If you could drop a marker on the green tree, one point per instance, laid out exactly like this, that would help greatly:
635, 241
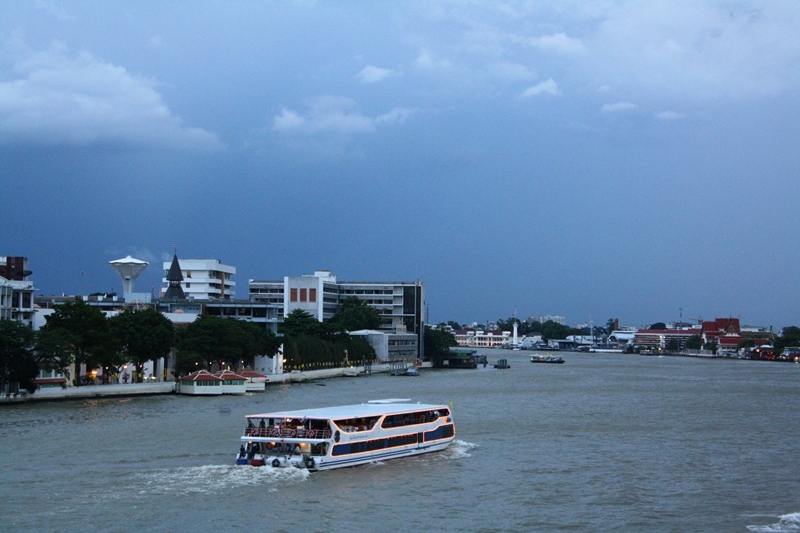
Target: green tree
673, 345
437, 344
790, 336
300, 322
534, 327
18, 366
658, 326
256, 340
145, 335
54, 349
453, 324
187, 361
554, 330
694, 342
215, 339
356, 314
87, 331
358, 349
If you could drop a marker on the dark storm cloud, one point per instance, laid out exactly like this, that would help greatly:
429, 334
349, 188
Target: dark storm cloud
599, 159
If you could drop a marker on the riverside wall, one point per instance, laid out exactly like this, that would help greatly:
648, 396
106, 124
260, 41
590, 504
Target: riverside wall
145, 389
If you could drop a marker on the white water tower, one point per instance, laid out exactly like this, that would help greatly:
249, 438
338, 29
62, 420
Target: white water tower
129, 269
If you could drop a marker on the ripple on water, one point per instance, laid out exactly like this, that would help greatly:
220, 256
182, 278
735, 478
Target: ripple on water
786, 523
212, 479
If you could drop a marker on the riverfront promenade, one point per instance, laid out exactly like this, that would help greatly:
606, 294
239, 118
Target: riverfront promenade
168, 387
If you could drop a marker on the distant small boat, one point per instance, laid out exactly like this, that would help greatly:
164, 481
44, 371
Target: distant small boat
502, 363
546, 359
410, 371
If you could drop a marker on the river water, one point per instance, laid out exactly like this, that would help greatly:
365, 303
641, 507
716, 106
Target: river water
604, 442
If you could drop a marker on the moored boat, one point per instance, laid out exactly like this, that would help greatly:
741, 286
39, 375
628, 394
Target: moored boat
410, 371
546, 359
336, 437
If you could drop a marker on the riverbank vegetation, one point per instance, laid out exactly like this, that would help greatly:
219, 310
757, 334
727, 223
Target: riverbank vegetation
310, 344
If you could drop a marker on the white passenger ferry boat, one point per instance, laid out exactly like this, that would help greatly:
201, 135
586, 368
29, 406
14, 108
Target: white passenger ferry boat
350, 435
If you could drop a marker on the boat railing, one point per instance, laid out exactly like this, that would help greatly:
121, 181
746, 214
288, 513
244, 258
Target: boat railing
290, 433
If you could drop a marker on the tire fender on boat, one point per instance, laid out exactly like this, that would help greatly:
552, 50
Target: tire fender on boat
276, 463
309, 462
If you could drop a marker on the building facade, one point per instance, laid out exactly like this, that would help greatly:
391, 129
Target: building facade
659, 339
390, 347
16, 291
482, 339
399, 303
203, 279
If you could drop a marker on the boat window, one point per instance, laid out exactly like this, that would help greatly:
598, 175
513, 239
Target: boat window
374, 445
351, 425
409, 419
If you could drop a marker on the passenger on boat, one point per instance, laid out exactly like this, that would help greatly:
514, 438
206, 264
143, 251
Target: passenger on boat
262, 424
297, 449
242, 451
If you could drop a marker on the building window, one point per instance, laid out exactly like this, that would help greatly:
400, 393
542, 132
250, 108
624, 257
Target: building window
293, 295
312, 295
303, 297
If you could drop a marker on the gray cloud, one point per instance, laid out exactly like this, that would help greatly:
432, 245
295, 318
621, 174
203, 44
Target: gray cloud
669, 115
77, 99
333, 114
617, 107
547, 86
372, 74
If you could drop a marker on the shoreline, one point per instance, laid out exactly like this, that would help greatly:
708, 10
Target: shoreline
119, 390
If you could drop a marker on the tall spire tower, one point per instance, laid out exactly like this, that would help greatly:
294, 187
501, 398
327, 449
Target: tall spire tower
174, 278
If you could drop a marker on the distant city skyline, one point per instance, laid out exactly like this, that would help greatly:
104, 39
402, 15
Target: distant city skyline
620, 159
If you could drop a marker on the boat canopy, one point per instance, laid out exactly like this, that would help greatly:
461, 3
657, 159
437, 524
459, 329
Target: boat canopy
349, 411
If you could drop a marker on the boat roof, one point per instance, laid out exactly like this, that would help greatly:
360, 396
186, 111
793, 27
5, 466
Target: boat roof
373, 408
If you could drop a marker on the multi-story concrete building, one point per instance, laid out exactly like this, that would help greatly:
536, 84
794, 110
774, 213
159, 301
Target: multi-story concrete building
481, 338
203, 279
558, 319
658, 339
400, 303
16, 291
391, 346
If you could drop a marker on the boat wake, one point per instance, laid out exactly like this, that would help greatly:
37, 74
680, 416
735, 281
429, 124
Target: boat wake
213, 479
787, 523
459, 449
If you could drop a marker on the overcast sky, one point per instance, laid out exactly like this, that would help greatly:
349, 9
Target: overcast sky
609, 159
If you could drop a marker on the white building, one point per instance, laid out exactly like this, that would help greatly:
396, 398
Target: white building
399, 303
482, 339
390, 346
204, 279
558, 319
16, 301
